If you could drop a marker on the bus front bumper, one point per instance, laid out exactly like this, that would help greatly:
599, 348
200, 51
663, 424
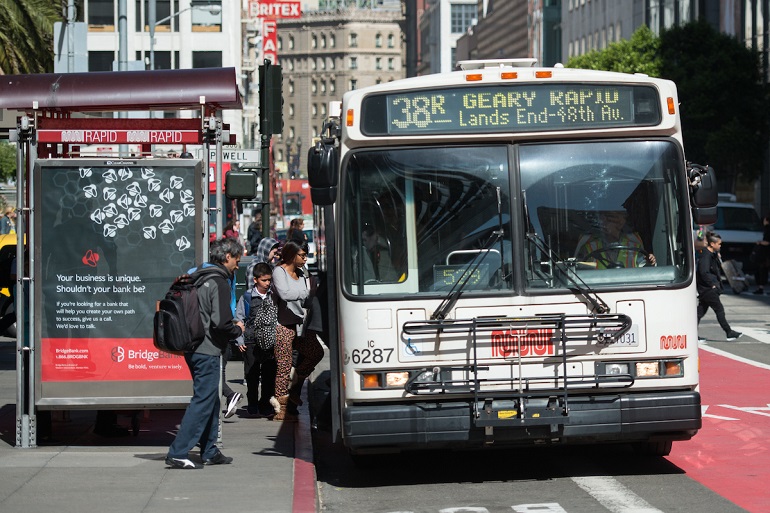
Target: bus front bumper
641, 417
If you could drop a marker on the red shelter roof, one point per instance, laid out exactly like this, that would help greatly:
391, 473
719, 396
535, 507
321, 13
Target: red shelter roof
122, 90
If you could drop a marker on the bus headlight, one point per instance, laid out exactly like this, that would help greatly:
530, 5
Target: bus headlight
647, 369
396, 379
616, 368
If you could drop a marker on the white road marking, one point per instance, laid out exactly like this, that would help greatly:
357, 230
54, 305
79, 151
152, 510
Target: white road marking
611, 494
703, 413
714, 350
759, 334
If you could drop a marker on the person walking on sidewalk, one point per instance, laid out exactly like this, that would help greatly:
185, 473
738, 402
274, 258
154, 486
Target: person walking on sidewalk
200, 422
294, 292
258, 312
709, 283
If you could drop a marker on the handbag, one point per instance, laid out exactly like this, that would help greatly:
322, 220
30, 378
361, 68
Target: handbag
260, 326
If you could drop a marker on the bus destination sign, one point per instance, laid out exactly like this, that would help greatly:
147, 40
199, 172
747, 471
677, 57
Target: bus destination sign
510, 108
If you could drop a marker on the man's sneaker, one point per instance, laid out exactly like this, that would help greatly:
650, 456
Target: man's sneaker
218, 459
733, 335
182, 463
232, 404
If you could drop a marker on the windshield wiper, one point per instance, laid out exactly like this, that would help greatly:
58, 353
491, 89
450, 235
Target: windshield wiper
457, 289
580, 287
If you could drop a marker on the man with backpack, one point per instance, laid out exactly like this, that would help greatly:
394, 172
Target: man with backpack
201, 419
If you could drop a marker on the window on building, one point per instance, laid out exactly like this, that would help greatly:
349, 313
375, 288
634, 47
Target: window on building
206, 16
101, 16
378, 41
332, 40
290, 63
313, 86
323, 40
313, 41
162, 11
391, 41
378, 63
279, 42
332, 86
291, 42
353, 63
617, 31
163, 60
323, 109
291, 132
291, 110
332, 65
461, 16
323, 86
353, 84
313, 64
610, 33
100, 61
391, 66
353, 40
314, 109
207, 59
291, 87
323, 63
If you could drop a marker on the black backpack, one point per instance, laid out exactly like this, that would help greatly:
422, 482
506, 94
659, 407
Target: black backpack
178, 326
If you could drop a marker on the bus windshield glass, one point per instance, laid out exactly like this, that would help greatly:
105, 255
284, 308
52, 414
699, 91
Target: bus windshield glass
429, 220
609, 212
416, 219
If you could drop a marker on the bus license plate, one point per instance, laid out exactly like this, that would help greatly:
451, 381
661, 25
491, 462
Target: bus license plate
628, 339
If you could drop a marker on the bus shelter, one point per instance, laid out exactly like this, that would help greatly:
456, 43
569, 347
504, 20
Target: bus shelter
105, 235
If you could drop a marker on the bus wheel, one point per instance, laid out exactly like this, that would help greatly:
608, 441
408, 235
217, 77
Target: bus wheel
659, 448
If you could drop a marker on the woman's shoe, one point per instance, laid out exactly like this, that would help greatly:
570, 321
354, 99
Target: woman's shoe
285, 416
275, 404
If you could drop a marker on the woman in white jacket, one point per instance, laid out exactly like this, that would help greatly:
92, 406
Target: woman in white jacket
293, 293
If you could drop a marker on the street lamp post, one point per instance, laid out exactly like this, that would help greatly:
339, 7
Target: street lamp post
214, 9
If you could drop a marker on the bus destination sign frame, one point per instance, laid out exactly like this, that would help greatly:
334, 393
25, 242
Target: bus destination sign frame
510, 108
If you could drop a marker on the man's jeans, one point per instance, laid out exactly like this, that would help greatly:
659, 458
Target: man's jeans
201, 420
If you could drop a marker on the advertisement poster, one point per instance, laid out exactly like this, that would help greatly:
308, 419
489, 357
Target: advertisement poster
111, 238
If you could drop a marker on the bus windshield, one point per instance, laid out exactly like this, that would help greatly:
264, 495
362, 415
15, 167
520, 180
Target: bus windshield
609, 212
422, 220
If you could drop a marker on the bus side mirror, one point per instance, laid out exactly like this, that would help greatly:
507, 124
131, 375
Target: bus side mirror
703, 193
322, 162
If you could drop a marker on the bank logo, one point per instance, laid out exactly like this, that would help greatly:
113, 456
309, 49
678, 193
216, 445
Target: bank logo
118, 354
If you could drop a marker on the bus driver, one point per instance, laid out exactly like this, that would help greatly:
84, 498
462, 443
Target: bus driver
615, 246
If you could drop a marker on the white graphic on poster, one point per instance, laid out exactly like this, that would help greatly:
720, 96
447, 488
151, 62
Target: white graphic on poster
144, 194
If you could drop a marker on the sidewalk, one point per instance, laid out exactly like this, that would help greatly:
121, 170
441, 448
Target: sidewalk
272, 469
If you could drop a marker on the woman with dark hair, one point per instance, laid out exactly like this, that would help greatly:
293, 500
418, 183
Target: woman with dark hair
763, 256
294, 294
296, 231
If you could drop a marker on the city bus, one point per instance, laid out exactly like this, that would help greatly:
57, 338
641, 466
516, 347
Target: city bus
466, 304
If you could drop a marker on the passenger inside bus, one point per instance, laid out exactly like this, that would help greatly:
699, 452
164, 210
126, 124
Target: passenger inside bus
615, 245
377, 265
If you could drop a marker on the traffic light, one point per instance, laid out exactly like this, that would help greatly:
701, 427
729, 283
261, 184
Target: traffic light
270, 99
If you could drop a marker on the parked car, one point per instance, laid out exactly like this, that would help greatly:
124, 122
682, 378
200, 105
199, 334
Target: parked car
740, 227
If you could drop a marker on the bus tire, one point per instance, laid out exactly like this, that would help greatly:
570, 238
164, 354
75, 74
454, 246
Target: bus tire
657, 448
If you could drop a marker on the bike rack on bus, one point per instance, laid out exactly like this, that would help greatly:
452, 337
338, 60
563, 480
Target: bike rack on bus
518, 401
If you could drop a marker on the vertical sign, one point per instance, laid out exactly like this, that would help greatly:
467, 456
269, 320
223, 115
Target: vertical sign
112, 237
270, 40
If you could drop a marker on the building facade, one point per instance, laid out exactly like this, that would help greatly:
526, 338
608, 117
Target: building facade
442, 23
323, 54
188, 34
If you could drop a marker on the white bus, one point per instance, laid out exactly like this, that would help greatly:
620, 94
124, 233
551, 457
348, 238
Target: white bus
508, 258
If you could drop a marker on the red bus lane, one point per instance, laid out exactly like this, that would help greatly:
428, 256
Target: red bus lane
731, 453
